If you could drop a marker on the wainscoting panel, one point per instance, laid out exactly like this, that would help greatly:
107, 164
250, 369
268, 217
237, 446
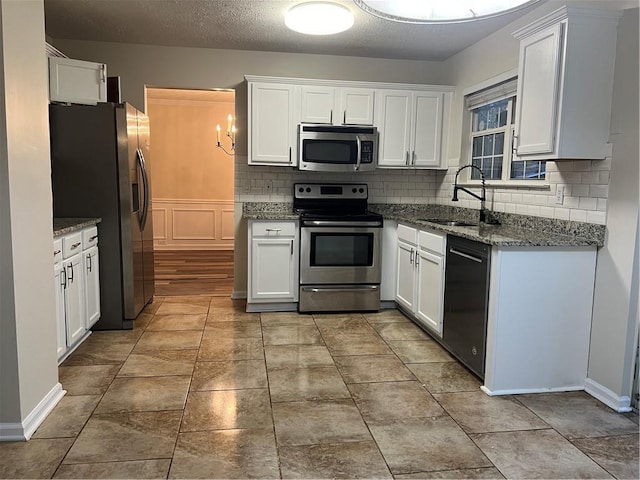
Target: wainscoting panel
193, 224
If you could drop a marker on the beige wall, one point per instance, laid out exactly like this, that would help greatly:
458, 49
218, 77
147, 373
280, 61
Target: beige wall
28, 366
186, 163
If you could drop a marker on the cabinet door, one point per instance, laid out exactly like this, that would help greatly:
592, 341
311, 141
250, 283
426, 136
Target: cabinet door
430, 290
273, 269
394, 125
74, 299
59, 289
538, 86
316, 104
427, 129
77, 81
405, 287
271, 138
92, 286
357, 106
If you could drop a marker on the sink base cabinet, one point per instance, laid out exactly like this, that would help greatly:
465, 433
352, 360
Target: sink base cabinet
539, 320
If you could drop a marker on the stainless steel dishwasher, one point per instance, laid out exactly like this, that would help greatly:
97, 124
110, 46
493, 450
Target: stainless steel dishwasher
466, 296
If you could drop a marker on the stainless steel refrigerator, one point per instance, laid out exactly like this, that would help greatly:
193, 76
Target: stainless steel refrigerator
100, 168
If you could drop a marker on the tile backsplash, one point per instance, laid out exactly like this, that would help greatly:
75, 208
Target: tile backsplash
585, 181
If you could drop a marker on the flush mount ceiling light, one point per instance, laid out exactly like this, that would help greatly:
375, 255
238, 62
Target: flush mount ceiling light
440, 11
319, 18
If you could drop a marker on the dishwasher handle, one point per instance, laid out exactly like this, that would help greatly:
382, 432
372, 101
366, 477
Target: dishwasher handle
465, 255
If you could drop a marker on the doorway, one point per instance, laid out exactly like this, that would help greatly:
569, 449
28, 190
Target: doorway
192, 185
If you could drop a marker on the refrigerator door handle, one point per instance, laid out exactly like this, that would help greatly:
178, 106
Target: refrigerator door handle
145, 187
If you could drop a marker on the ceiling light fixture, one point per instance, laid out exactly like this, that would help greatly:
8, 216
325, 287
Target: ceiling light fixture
319, 18
440, 11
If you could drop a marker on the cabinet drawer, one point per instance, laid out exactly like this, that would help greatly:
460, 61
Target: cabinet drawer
432, 241
71, 244
407, 234
274, 229
57, 250
89, 237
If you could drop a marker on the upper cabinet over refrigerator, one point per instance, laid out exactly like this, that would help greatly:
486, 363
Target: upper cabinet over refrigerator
77, 81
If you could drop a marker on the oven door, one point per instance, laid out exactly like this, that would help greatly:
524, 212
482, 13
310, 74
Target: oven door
332, 255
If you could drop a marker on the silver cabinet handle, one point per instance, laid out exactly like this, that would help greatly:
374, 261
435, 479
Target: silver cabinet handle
337, 290
273, 229
292, 248
331, 116
91, 239
344, 117
417, 259
89, 266
359, 155
406, 158
411, 256
63, 278
289, 154
413, 157
70, 267
75, 245
464, 255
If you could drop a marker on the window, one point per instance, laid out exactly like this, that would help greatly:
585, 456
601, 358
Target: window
492, 130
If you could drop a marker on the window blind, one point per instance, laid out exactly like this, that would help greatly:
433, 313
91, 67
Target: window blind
496, 92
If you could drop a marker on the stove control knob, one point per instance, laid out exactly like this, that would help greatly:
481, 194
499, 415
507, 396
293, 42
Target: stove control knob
361, 190
354, 189
301, 189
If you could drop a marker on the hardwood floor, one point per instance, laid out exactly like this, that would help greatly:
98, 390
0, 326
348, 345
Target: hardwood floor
194, 272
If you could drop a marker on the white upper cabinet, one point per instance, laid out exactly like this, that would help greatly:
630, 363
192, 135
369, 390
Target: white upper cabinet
413, 128
272, 131
336, 105
565, 85
77, 81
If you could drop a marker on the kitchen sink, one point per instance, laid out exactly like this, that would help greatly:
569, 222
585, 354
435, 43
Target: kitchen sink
450, 223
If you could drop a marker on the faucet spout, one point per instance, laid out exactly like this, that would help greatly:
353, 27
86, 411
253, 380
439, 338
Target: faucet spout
482, 197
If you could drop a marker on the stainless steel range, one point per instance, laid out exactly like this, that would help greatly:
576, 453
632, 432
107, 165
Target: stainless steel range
340, 251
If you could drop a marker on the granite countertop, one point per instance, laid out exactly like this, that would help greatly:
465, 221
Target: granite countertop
62, 226
513, 231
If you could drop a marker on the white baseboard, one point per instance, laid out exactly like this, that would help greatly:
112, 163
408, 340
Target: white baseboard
520, 391
608, 397
12, 432
239, 294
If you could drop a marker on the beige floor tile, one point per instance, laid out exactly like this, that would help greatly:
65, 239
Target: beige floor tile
297, 356
633, 417
228, 302
240, 329
178, 340
231, 315
400, 331
153, 306
160, 363
203, 300
445, 377
220, 349
372, 368
87, 379
537, 454
273, 319
348, 344
578, 415
338, 460
227, 409
152, 469
426, 444
420, 351
142, 320
238, 454
388, 401
336, 324
386, 316
292, 335
37, 458
175, 307
311, 383
477, 412
618, 455
322, 421
489, 473
230, 375
126, 436
145, 394
90, 353
177, 322
110, 337
68, 416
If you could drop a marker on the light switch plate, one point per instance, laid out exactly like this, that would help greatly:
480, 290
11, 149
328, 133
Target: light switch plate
559, 194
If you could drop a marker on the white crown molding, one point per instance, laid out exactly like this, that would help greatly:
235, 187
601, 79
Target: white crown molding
576, 14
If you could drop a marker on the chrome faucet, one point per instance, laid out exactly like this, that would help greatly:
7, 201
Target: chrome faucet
482, 197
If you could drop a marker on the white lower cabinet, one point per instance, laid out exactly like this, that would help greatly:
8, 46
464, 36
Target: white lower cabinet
273, 262
77, 288
420, 276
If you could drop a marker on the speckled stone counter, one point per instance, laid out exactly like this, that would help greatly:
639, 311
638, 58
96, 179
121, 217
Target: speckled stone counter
62, 226
513, 231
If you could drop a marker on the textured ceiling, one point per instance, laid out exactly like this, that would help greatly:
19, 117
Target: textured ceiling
256, 25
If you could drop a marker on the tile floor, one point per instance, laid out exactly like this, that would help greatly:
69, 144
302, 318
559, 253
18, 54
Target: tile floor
201, 389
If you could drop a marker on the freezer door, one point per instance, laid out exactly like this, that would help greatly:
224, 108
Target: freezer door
147, 220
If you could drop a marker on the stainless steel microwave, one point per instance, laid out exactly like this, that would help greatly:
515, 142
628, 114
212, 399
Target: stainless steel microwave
329, 148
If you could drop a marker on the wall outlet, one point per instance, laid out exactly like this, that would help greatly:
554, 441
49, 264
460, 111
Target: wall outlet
268, 186
559, 194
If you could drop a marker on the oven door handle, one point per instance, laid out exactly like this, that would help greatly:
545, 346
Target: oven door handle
359, 154
350, 287
330, 223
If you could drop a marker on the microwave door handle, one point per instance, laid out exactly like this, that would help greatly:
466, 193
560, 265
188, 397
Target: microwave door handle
359, 155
